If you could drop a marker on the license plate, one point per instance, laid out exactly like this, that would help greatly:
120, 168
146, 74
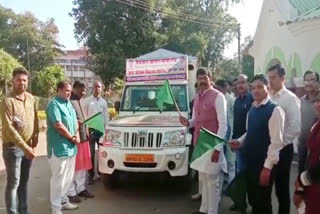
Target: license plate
140, 158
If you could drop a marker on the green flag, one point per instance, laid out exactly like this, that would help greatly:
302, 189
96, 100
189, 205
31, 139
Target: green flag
96, 122
206, 141
165, 95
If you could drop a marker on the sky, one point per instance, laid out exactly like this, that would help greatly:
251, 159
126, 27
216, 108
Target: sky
247, 12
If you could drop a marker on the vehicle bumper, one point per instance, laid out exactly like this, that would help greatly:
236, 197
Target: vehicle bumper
172, 160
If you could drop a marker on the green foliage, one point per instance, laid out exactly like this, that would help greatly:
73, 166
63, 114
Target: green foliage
47, 79
113, 32
118, 85
23, 34
7, 64
247, 61
227, 69
248, 66
116, 30
208, 40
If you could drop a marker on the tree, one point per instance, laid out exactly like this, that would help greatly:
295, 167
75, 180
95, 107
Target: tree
227, 69
115, 30
206, 37
114, 92
47, 79
33, 42
7, 64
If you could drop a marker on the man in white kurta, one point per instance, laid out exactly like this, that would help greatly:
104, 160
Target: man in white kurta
210, 112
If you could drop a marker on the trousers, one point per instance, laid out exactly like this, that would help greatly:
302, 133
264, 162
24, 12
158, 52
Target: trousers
62, 172
79, 183
211, 192
18, 169
282, 179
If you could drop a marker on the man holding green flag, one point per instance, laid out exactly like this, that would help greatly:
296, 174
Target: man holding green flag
96, 104
212, 171
210, 113
96, 122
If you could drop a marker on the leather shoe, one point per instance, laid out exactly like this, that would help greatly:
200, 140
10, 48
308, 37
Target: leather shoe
86, 194
74, 199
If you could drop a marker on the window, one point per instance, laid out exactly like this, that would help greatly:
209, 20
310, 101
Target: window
144, 98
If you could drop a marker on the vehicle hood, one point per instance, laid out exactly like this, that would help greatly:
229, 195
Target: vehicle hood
146, 120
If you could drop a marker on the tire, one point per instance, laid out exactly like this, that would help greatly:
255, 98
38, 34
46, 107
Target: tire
110, 181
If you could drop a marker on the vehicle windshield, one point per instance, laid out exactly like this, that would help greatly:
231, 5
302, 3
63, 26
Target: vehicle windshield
144, 98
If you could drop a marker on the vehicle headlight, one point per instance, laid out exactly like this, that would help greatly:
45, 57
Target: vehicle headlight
174, 138
112, 138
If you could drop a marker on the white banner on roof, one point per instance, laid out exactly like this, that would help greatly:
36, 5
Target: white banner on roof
156, 69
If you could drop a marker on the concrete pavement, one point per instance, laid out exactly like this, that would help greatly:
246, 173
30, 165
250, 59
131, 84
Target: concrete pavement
137, 194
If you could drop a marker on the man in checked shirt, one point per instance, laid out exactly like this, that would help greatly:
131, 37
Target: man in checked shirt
19, 136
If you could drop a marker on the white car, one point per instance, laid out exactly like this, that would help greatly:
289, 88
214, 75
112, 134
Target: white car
143, 139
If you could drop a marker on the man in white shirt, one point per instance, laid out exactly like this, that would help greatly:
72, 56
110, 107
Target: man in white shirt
261, 144
290, 103
222, 86
95, 104
210, 112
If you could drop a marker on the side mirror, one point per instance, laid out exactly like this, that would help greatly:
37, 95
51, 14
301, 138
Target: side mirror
117, 106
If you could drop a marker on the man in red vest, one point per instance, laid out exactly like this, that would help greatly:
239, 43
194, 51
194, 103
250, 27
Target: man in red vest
210, 112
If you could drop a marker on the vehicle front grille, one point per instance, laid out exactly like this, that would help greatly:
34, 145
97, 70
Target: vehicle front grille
144, 141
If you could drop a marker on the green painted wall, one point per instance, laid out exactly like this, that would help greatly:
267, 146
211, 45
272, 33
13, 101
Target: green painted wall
315, 65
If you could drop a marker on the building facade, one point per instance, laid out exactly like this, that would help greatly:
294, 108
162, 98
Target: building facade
288, 32
74, 63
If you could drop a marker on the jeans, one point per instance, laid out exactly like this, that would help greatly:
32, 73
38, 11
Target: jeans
240, 161
18, 169
93, 140
241, 166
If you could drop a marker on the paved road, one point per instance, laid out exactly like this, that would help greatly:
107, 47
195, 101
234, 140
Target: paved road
137, 195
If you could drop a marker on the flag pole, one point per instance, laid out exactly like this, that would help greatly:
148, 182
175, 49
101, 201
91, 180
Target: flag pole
177, 107
174, 100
